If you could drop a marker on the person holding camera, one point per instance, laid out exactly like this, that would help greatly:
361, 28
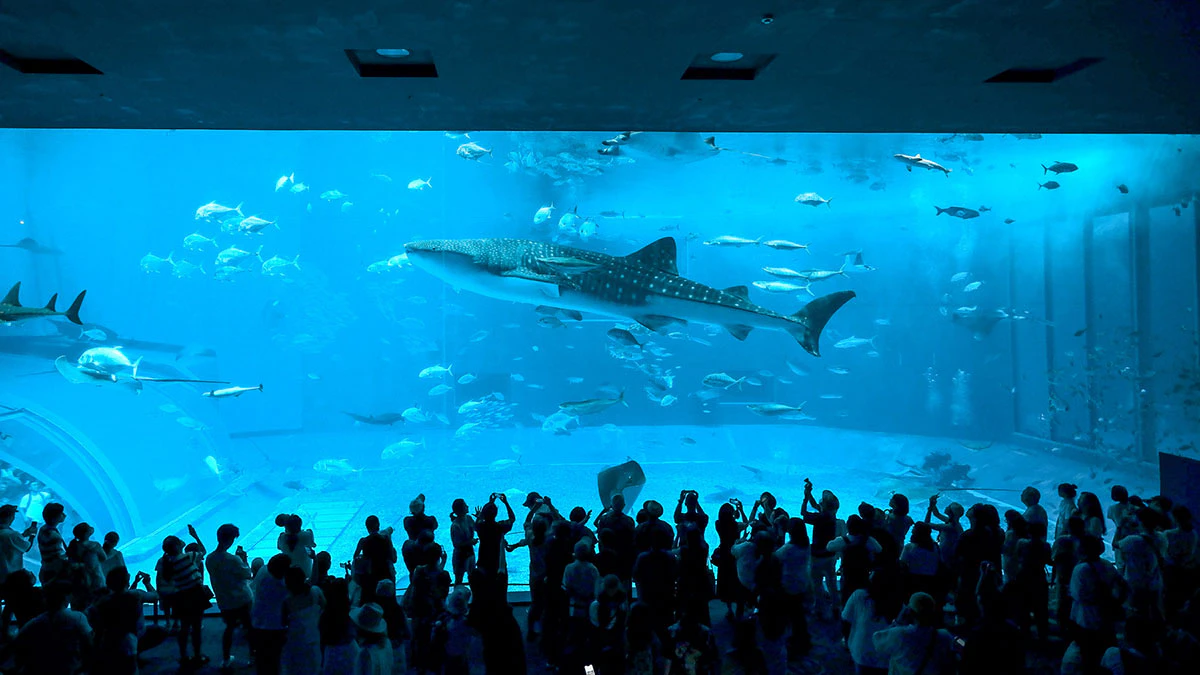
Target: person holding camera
13, 547
731, 523
694, 516
825, 528
491, 564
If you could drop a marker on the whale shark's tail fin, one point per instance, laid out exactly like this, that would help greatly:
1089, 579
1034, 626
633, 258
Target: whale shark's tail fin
811, 320
72, 312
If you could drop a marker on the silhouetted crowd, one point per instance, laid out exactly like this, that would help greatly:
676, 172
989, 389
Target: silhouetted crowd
636, 595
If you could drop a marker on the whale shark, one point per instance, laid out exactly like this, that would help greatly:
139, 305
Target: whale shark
643, 286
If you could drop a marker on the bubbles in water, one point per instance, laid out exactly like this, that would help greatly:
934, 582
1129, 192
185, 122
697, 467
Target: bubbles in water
960, 406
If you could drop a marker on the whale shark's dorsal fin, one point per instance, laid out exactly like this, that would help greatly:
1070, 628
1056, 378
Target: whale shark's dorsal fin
12, 299
740, 291
659, 255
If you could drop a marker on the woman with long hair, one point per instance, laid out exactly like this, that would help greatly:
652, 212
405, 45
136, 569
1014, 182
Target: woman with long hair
1093, 515
462, 538
731, 523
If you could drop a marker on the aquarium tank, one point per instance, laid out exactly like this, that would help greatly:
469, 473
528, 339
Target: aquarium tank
332, 323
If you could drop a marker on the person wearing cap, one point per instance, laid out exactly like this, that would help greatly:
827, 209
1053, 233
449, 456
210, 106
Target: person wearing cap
375, 649
826, 527
540, 506
913, 644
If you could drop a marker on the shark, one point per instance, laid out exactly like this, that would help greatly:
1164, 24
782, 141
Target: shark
383, 420
12, 311
32, 245
909, 161
643, 286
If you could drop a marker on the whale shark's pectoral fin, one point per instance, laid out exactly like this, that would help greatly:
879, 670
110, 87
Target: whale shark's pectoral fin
546, 284
657, 322
530, 275
739, 331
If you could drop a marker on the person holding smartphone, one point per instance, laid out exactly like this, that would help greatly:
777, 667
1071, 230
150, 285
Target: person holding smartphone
230, 576
13, 547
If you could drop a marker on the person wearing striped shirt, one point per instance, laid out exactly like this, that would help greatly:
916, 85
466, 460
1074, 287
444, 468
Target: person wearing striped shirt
51, 545
192, 598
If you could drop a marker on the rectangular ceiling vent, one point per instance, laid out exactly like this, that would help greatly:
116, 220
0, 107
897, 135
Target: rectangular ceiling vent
726, 66
44, 61
1043, 75
392, 62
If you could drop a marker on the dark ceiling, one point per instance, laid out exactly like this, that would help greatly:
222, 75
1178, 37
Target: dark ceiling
840, 65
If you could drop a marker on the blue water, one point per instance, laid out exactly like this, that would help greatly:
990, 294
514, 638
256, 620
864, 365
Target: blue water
1062, 382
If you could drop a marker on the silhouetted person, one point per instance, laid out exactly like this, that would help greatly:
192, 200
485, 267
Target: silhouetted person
374, 559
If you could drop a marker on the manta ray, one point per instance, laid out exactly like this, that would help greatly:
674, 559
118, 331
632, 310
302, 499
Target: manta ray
643, 286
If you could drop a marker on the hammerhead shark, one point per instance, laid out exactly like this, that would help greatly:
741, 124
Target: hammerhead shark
644, 286
11, 309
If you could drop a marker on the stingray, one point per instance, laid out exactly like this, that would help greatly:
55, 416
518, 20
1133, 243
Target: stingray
626, 479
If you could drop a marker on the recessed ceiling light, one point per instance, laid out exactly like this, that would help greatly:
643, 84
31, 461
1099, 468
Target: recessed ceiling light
726, 57
393, 53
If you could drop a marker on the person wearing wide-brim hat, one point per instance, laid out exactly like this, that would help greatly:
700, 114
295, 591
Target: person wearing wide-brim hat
375, 655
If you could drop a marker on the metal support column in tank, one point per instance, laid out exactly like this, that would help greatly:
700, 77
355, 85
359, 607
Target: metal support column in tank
1196, 282
1048, 279
1014, 343
1090, 319
1147, 423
